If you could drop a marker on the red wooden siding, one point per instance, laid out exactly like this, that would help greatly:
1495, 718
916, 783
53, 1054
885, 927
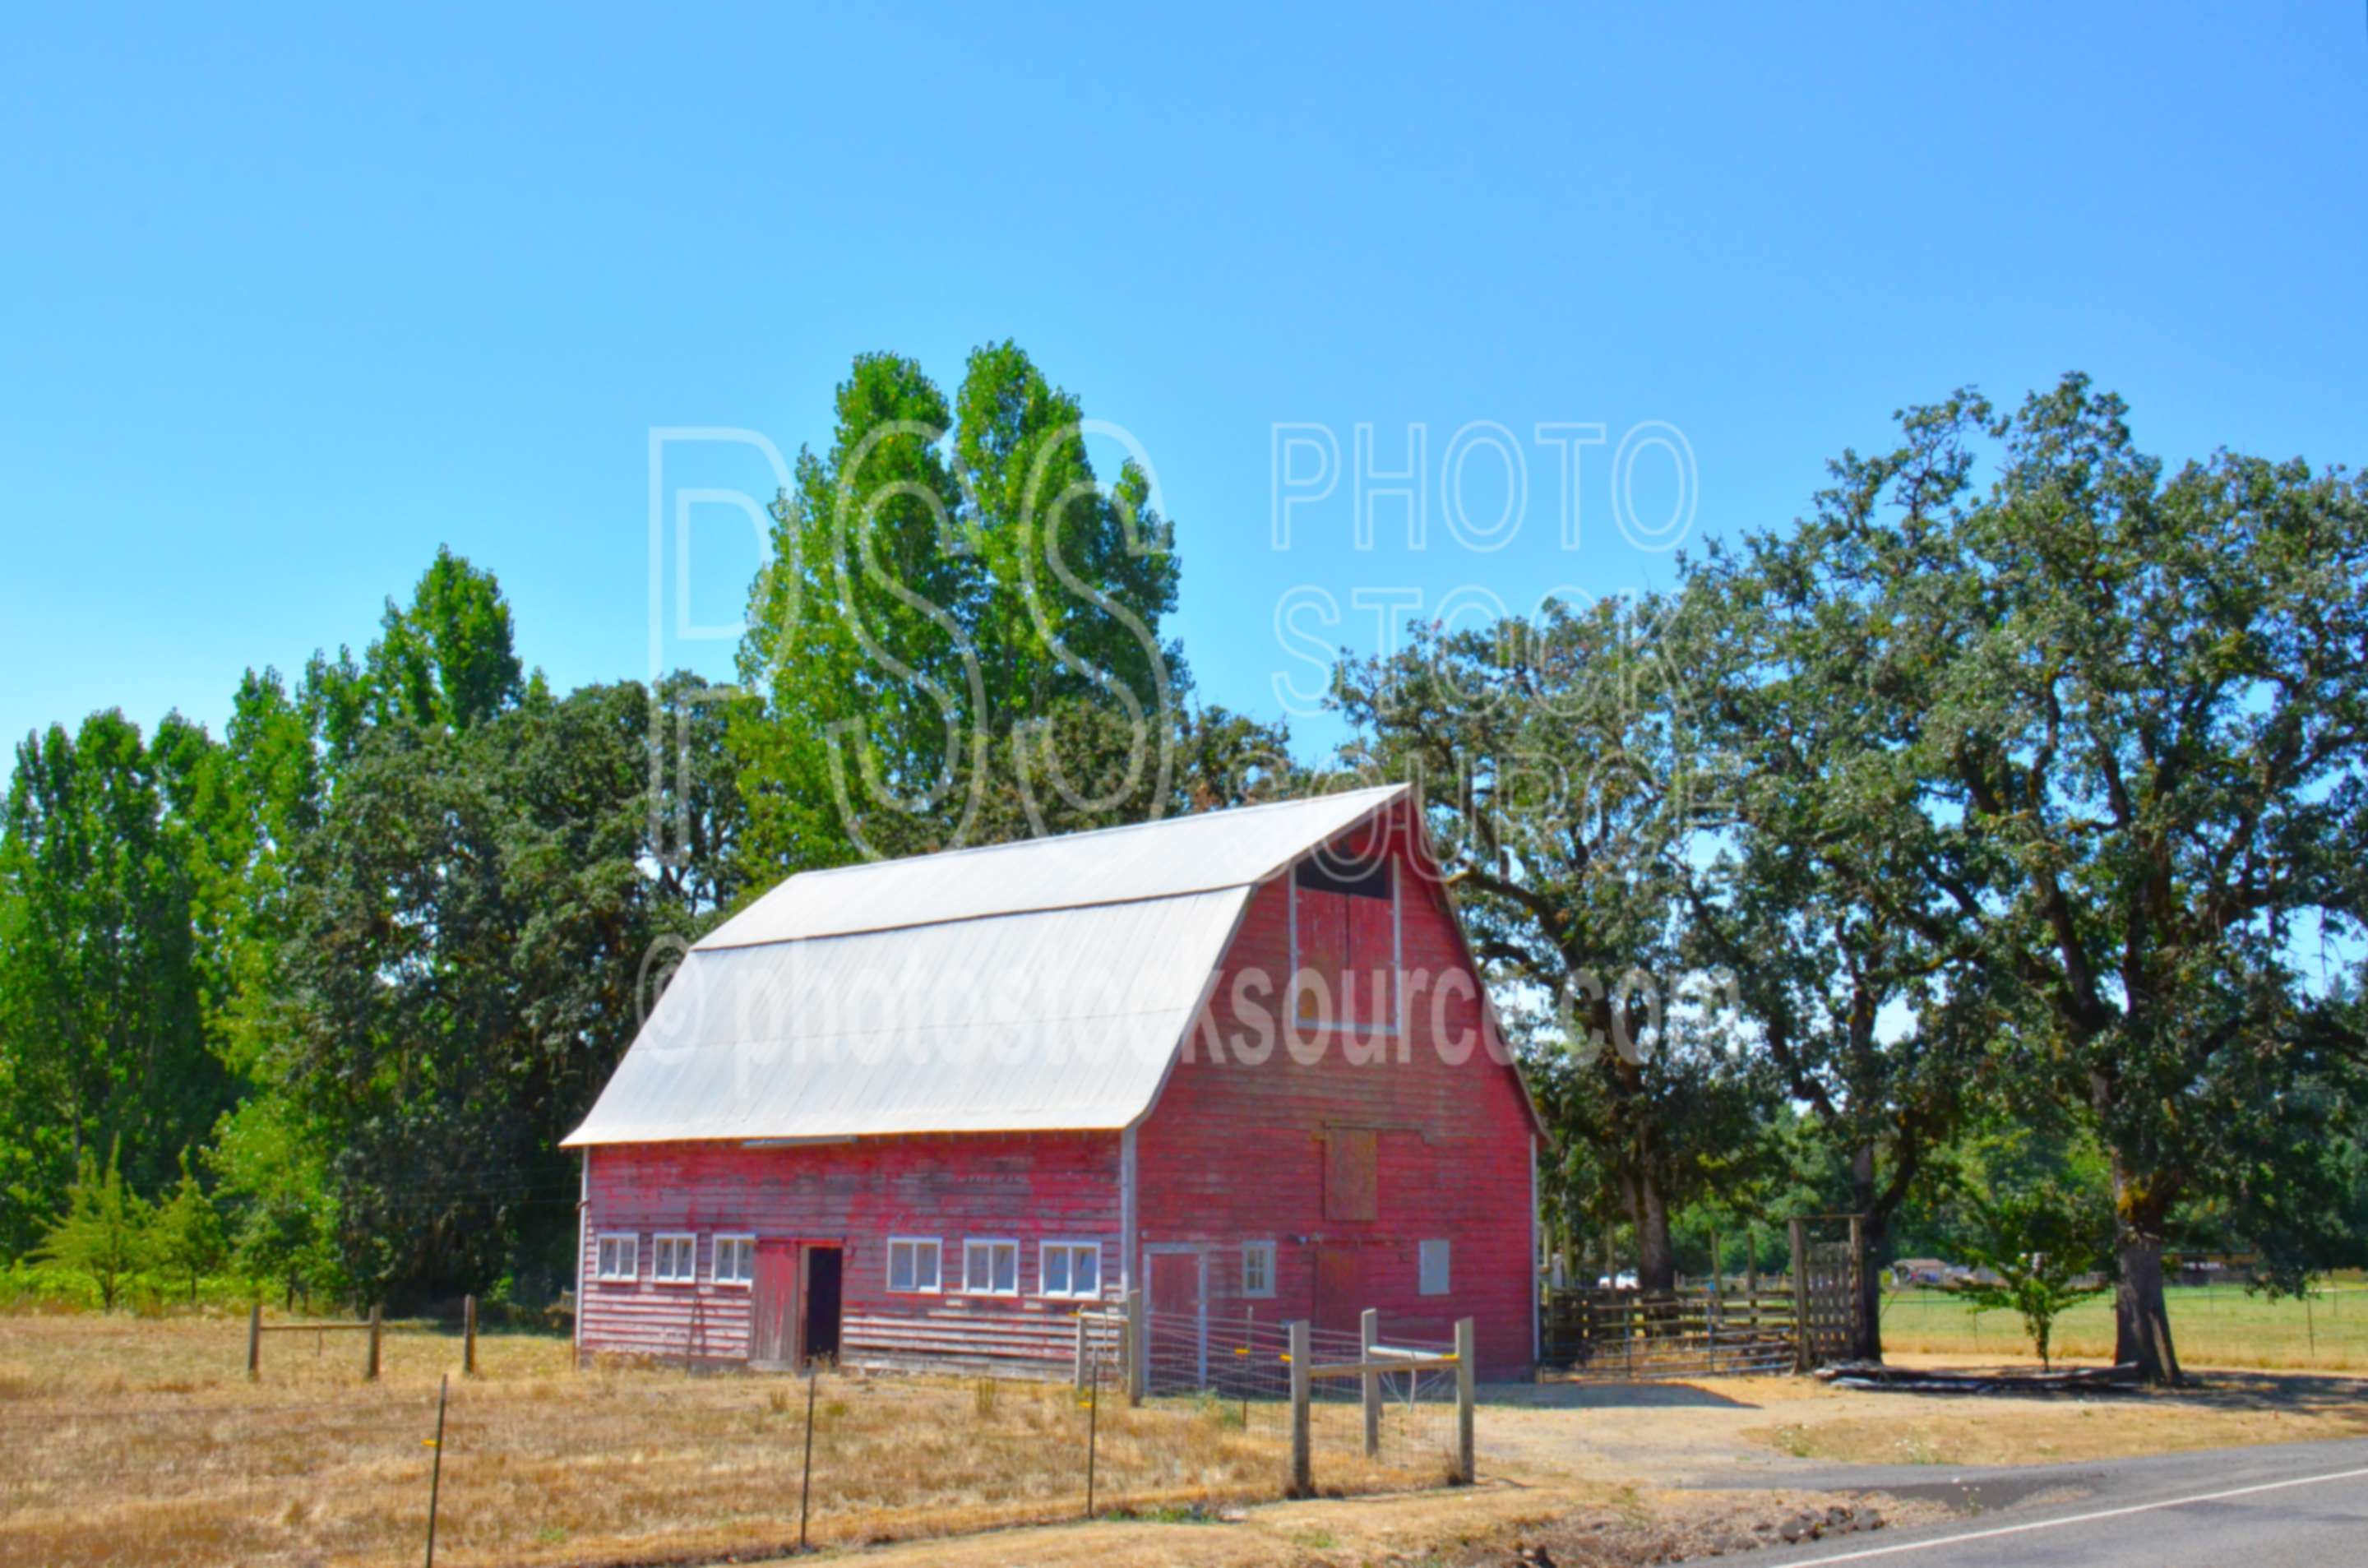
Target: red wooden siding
1029, 1189
1236, 1151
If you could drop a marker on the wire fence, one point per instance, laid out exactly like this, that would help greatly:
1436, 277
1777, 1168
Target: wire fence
599, 1467
127, 1440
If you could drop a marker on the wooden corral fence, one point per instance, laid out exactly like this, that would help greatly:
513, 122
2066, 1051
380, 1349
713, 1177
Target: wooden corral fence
1699, 1332
1716, 1329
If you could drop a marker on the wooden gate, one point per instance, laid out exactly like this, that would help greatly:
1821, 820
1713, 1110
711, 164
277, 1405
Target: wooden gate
1825, 1277
1177, 1319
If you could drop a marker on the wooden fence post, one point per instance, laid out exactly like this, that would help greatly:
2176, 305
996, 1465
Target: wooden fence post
1138, 1350
469, 1336
1079, 1369
1467, 1378
1712, 1314
1093, 1431
1368, 1333
255, 1342
1302, 1475
1804, 1352
369, 1372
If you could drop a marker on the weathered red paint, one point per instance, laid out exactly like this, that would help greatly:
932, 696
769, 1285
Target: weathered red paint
1031, 1188
1236, 1151
1233, 1150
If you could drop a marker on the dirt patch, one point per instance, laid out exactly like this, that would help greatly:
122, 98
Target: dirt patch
1696, 1526
2226, 1410
1495, 1525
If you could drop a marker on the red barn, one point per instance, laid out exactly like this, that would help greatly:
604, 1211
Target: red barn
917, 1112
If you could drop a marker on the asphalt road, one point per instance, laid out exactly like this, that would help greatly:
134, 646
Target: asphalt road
2284, 1506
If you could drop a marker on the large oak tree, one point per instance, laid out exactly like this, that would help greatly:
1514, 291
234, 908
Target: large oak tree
2134, 705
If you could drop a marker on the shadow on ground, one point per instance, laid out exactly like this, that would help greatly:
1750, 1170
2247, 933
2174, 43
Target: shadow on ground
1564, 1393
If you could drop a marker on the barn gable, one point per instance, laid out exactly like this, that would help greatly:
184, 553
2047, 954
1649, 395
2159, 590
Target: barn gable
1311, 1156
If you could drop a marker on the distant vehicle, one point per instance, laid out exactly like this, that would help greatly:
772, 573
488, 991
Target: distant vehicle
1625, 1280
1925, 1271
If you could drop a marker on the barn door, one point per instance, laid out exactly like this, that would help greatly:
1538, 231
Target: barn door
1337, 1306
1177, 1305
772, 1330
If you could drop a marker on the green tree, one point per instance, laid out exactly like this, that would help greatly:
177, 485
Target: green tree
186, 1235
103, 1233
2132, 706
938, 583
2042, 1244
106, 1042
274, 1176
446, 661
1852, 1005
1560, 770
469, 921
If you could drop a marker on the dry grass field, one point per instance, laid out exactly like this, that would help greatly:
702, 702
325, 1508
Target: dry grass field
141, 1441
2215, 1327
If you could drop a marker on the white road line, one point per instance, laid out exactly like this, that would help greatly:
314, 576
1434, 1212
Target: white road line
2080, 1518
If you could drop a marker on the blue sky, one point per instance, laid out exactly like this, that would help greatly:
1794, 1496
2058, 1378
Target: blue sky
289, 299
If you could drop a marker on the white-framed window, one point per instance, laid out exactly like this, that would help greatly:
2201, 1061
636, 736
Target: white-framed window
673, 1258
913, 1264
1258, 1268
619, 1256
1434, 1268
736, 1260
991, 1268
1073, 1269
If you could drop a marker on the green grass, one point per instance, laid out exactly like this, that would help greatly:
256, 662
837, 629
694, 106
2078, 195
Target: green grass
2217, 1325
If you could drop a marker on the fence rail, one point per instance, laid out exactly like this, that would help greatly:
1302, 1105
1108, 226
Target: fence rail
373, 1326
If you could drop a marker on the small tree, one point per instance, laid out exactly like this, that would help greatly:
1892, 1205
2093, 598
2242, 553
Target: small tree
286, 1242
186, 1236
2040, 1242
104, 1232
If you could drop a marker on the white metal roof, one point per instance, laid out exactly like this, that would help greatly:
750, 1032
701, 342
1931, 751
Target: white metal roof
1115, 865
1037, 987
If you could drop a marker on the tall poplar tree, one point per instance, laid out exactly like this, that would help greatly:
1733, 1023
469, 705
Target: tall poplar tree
947, 578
